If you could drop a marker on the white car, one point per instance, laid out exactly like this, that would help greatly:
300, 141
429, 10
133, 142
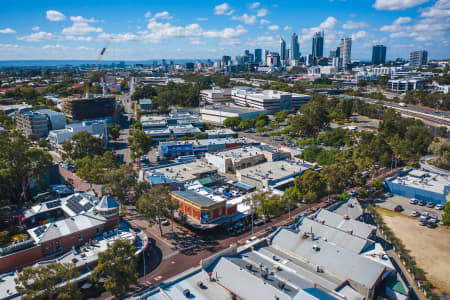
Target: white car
413, 201
425, 215
439, 206
252, 239
414, 213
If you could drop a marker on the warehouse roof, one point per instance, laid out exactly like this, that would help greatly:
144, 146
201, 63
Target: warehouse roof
194, 197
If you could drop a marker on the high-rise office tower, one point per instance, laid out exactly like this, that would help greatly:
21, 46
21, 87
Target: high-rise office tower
378, 55
258, 56
346, 52
317, 44
226, 60
264, 57
418, 59
282, 49
295, 47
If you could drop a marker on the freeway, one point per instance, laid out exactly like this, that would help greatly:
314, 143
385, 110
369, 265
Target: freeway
436, 116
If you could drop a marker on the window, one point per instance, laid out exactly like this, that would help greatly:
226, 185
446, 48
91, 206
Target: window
57, 244
80, 237
98, 231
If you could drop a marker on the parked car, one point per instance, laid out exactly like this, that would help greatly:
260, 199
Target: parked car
431, 225
422, 222
398, 208
253, 238
425, 215
414, 213
413, 201
258, 222
353, 193
421, 203
430, 204
439, 206
388, 195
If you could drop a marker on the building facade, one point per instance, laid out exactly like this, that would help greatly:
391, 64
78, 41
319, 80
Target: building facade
346, 53
417, 59
378, 55
32, 124
317, 44
89, 108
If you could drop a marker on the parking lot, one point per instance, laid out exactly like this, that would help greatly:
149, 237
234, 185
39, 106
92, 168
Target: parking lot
391, 202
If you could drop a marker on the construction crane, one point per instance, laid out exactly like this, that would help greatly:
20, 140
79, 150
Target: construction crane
95, 68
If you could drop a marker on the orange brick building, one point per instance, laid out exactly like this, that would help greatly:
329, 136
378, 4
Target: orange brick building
201, 209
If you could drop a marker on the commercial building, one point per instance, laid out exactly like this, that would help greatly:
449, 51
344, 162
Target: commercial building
295, 47
346, 52
174, 149
317, 44
32, 124
421, 185
403, 85
218, 114
215, 95
202, 211
221, 133
282, 49
182, 131
417, 59
145, 104
288, 265
378, 55
177, 174
228, 161
52, 239
89, 108
58, 137
268, 100
57, 120
258, 56
273, 174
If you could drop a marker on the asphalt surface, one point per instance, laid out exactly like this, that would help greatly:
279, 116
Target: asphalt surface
391, 202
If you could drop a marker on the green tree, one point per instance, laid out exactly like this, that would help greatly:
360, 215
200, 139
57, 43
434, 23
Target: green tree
442, 131
114, 131
43, 281
201, 136
156, 204
120, 182
93, 169
232, 122
311, 186
314, 118
19, 165
118, 266
141, 145
446, 214
82, 144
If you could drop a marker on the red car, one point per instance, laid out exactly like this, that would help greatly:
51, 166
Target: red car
398, 208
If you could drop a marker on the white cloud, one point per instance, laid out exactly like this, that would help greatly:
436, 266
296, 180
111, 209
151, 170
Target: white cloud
55, 16
80, 19
119, 37
196, 41
202, 19
255, 5
223, 9
261, 12
164, 15
352, 15
79, 38
402, 20
329, 23
354, 25
57, 46
81, 29
247, 19
396, 4
37, 37
359, 35
274, 27
148, 15
227, 33
264, 22
36, 28
441, 9
287, 28
7, 31
263, 41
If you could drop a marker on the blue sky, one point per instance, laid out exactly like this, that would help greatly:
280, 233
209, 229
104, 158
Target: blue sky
190, 29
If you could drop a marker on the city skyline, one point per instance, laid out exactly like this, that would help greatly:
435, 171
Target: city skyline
142, 30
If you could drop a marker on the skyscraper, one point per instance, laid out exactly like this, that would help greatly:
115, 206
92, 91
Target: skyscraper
295, 47
378, 55
226, 60
418, 59
264, 57
346, 52
317, 44
258, 56
282, 49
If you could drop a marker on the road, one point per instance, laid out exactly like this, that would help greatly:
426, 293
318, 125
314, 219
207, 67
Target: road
441, 118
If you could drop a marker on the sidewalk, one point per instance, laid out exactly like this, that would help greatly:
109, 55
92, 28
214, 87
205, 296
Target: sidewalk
411, 282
